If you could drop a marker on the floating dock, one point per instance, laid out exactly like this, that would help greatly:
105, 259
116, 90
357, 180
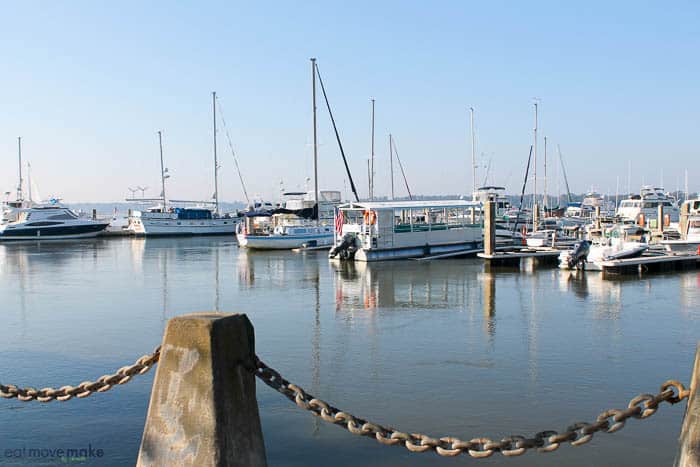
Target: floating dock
651, 263
513, 258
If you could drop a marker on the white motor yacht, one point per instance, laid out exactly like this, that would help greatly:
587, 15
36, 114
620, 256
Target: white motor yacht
689, 229
643, 207
49, 222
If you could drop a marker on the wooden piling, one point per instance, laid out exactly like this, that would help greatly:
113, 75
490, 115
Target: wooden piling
660, 218
489, 227
689, 444
203, 410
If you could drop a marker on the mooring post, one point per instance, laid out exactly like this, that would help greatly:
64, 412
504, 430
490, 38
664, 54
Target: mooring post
689, 443
489, 227
203, 410
660, 217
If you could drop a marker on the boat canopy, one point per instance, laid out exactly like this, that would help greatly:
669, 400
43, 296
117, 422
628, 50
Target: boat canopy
426, 204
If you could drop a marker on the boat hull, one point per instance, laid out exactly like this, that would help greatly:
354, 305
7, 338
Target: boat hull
414, 252
187, 228
53, 233
681, 246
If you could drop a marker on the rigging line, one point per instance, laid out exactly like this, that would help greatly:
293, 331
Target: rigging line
410, 196
563, 169
337, 136
233, 153
522, 194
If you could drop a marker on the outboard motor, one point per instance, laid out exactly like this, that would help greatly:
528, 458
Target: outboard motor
346, 247
579, 253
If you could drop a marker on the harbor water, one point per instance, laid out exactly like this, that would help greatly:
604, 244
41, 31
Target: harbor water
443, 348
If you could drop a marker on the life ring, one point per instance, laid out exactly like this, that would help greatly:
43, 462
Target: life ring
370, 217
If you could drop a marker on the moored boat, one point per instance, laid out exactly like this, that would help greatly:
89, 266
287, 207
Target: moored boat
374, 231
49, 222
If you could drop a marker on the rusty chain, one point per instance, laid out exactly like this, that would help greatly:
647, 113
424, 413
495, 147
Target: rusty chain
105, 383
610, 421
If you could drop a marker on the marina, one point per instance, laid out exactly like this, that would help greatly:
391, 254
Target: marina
471, 237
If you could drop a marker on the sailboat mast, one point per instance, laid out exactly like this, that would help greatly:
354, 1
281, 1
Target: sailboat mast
162, 166
371, 177
21, 182
534, 173
391, 165
313, 97
216, 161
471, 125
29, 181
544, 202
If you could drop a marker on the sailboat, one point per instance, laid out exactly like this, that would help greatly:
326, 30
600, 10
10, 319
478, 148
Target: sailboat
304, 221
181, 217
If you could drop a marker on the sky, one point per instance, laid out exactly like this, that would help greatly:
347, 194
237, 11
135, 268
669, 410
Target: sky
87, 85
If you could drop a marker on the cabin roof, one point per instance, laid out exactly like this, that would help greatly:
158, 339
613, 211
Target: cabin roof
439, 203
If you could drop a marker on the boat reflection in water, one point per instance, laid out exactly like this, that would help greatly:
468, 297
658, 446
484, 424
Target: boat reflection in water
417, 286
393, 285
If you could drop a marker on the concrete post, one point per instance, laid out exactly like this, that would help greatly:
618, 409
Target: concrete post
203, 410
685, 213
689, 443
489, 227
535, 218
597, 217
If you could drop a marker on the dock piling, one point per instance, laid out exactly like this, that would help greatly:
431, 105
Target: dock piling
689, 443
489, 227
203, 409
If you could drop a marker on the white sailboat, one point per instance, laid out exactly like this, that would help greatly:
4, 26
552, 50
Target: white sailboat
181, 217
306, 222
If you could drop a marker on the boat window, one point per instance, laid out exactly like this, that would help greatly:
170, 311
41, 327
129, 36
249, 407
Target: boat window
696, 205
60, 217
695, 224
42, 224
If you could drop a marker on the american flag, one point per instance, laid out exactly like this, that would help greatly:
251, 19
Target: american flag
339, 221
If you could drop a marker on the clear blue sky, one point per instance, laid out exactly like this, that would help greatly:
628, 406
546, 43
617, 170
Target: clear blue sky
88, 84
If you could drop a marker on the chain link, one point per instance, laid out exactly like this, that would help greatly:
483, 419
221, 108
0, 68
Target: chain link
105, 383
610, 421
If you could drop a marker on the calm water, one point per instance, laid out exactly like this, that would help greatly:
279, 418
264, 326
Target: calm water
440, 347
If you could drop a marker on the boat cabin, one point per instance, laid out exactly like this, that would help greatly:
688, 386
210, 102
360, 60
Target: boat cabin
407, 228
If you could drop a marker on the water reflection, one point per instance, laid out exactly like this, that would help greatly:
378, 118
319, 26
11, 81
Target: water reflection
389, 285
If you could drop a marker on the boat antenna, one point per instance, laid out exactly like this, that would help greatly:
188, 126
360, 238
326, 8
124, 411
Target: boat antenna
403, 174
335, 128
19, 154
233, 153
391, 165
563, 171
162, 167
471, 123
522, 193
216, 161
